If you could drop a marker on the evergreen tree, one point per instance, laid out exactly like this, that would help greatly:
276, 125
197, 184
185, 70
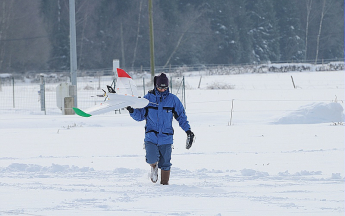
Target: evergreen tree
226, 31
170, 11
291, 42
191, 32
265, 31
244, 24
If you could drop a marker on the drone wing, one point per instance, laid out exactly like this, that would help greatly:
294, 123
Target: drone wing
126, 95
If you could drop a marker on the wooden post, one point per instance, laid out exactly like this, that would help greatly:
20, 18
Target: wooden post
13, 92
73, 50
293, 82
232, 108
152, 56
170, 85
43, 94
184, 93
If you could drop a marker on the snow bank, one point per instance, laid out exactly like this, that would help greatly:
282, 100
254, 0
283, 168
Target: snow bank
314, 113
5, 75
54, 168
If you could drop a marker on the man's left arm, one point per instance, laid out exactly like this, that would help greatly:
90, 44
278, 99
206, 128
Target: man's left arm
181, 117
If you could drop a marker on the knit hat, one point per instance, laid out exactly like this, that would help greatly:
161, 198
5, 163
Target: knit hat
162, 81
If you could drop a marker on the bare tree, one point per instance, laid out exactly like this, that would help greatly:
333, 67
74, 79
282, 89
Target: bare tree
137, 38
192, 17
123, 59
85, 31
6, 10
309, 4
323, 13
23, 41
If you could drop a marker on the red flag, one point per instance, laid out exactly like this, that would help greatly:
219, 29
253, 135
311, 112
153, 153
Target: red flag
122, 73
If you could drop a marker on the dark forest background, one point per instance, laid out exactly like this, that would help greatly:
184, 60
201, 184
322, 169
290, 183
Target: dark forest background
34, 34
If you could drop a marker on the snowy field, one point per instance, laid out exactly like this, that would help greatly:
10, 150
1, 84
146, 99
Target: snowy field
280, 152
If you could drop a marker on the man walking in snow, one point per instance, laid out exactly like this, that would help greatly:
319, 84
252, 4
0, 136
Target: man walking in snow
159, 113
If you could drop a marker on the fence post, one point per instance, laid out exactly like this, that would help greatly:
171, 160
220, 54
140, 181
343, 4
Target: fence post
293, 82
99, 82
199, 82
144, 86
232, 108
13, 92
170, 88
184, 93
43, 94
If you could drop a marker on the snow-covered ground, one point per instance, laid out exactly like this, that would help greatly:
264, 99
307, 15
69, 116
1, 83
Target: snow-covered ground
279, 152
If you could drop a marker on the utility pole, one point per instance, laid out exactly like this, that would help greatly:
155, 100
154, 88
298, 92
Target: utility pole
73, 50
152, 57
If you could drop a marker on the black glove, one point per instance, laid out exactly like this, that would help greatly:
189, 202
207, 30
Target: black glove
190, 139
130, 109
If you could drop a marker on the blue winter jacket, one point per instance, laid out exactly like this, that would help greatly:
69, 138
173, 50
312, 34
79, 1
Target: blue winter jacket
159, 113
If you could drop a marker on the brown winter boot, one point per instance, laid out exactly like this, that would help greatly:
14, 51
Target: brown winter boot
165, 174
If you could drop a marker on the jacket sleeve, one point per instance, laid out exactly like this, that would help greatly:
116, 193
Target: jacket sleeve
139, 114
180, 115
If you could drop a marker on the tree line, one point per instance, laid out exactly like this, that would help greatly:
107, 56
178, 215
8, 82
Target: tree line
34, 35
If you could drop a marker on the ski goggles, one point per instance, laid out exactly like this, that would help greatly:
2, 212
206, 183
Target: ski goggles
162, 88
